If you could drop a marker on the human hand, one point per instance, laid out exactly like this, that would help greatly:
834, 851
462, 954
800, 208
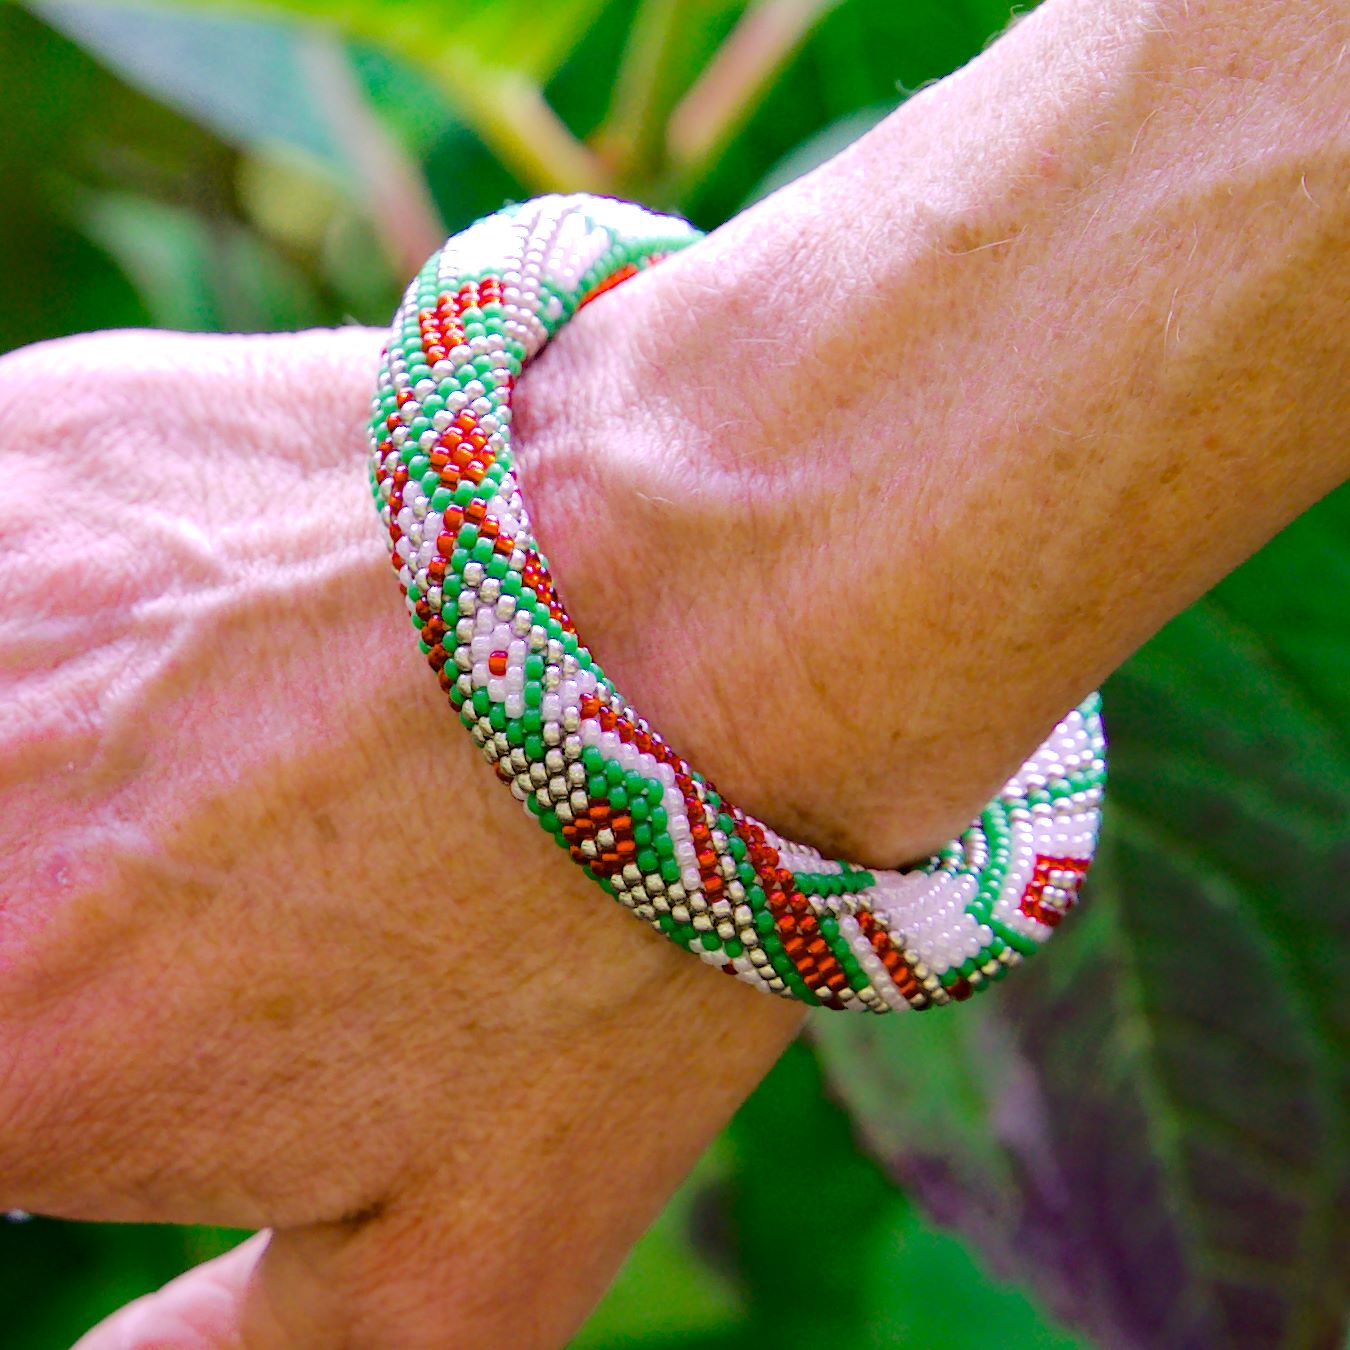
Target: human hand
1098, 369
275, 948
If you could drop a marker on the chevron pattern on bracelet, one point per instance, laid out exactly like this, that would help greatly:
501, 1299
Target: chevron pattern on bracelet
648, 828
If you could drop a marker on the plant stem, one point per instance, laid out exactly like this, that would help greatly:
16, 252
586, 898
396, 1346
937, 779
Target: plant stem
512, 117
631, 140
740, 73
392, 188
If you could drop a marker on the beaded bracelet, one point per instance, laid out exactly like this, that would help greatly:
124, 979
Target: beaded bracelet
649, 829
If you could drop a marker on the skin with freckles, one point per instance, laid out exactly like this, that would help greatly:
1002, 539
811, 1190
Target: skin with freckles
936, 435
975, 408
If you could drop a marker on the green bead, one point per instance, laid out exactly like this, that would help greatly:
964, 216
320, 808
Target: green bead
670, 871
711, 942
533, 720
440, 498
534, 666
534, 747
1017, 941
534, 695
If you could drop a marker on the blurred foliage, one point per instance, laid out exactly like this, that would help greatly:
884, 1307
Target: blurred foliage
1144, 1138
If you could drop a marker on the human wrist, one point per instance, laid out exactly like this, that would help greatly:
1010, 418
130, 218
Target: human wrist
963, 327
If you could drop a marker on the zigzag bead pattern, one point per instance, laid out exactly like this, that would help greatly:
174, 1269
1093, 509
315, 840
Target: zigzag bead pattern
648, 828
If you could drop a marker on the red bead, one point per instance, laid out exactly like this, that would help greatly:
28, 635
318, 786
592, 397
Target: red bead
497, 663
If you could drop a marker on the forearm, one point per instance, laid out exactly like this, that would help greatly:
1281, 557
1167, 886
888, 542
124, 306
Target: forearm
1049, 351
1101, 275
1102, 278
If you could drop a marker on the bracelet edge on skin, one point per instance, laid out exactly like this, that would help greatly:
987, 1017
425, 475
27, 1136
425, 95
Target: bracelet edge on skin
648, 828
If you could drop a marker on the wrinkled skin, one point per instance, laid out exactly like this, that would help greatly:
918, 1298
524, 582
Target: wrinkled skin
275, 947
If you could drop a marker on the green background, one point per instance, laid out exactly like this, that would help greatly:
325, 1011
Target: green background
1142, 1140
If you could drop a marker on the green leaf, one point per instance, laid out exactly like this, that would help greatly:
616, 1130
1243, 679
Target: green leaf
1149, 1126
518, 35
264, 73
666, 1287
248, 80
195, 274
831, 1254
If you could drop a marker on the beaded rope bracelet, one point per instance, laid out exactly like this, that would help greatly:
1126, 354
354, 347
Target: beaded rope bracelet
649, 829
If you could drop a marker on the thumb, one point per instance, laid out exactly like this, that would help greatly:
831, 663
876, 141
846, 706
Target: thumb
197, 1311
315, 1288
418, 1272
